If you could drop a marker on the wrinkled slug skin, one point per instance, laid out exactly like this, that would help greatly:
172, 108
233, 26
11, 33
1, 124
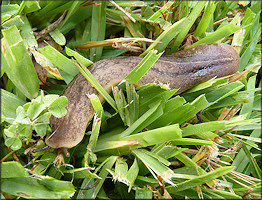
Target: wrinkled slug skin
181, 70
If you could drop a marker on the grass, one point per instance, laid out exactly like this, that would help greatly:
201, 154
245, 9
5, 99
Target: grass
144, 142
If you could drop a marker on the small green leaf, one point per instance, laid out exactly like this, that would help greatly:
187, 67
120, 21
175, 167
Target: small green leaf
57, 108
11, 131
35, 109
21, 116
49, 99
24, 130
14, 143
41, 124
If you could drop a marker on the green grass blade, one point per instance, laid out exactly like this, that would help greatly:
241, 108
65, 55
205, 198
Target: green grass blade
7, 11
98, 108
189, 141
132, 104
256, 171
121, 104
158, 13
184, 30
58, 37
31, 6
156, 136
154, 165
87, 74
103, 174
72, 9
132, 174
163, 40
231, 100
190, 163
208, 14
197, 129
80, 15
19, 68
78, 56
150, 93
218, 34
247, 107
153, 113
223, 92
140, 70
241, 160
98, 26
250, 49
200, 179
27, 33
90, 156
61, 61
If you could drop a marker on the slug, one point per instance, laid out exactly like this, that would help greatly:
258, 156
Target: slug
181, 70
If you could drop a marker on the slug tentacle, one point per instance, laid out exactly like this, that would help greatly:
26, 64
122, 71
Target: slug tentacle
181, 70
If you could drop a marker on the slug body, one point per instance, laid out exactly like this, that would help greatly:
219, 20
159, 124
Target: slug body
182, 70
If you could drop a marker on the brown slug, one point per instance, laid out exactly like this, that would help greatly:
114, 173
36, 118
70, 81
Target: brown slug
181, 70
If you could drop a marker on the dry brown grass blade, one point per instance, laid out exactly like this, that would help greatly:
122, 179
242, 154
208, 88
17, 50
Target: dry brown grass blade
109, 42
232, 112
243, 74
127, 23
227, 114
238, 175
122, 10
51, 27
129, 46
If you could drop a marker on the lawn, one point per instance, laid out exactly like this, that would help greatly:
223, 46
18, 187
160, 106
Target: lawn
145, 141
